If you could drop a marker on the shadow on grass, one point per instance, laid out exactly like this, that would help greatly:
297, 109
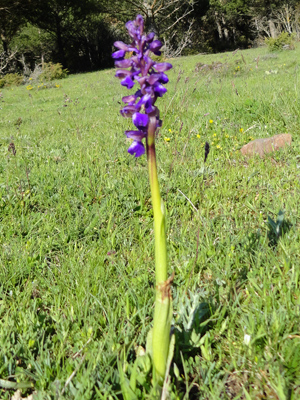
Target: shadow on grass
277, 229
194, 341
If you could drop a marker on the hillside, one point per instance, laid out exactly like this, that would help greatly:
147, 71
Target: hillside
76, 232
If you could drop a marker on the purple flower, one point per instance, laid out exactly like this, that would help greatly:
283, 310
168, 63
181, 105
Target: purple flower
150, 37
155, 47
118, 55
128, 111
122, 73
129, 99
120, 45
128, 82
135, 135
148, 74
136, 148
145, 101
159, 89
161, 67
140, 120
123, 63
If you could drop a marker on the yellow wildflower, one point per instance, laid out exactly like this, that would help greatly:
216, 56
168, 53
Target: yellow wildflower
167, 139
241, 130
198, 136
210, 121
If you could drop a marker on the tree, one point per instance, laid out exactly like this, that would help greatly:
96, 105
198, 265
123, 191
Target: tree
159, 15
169, 19
11, 19
271, 17
33, 45
67, 21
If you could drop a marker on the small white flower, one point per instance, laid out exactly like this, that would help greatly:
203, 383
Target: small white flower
247, 339
140, 351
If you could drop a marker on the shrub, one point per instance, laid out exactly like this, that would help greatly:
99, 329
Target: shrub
283, 41
51, 72
11, 80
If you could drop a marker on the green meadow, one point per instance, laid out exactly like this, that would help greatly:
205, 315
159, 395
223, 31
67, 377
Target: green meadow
77, 242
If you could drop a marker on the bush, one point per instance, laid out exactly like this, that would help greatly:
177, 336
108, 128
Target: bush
11, 80
51, 72
283, 41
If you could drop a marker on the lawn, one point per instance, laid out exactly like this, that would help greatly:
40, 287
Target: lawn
76, 233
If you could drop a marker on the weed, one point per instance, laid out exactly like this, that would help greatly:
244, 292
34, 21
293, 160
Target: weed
11, 80
283, 41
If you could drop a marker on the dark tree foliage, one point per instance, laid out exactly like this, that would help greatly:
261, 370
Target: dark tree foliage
80, 33
167, 18
230, 22
266, 7
11, 18
82, 36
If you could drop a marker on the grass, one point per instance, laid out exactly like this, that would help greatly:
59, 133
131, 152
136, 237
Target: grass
77, 255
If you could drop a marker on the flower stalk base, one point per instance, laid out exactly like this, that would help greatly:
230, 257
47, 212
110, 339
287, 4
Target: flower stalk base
163, 298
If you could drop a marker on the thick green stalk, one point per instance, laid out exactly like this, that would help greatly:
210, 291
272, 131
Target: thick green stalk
163, 298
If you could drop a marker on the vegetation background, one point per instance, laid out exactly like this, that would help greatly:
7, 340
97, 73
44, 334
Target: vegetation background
76, 238
76, 260
79, 34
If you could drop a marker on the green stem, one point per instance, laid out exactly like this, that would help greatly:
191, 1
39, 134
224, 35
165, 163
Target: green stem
163, 299
158, 207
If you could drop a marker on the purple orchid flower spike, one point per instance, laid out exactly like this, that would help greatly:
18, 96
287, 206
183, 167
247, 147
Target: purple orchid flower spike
140, 107
144, 71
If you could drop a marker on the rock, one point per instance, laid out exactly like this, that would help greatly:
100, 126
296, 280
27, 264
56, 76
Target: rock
18, 396
267, 145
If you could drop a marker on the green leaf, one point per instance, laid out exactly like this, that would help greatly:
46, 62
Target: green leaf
127, 392
247, 395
